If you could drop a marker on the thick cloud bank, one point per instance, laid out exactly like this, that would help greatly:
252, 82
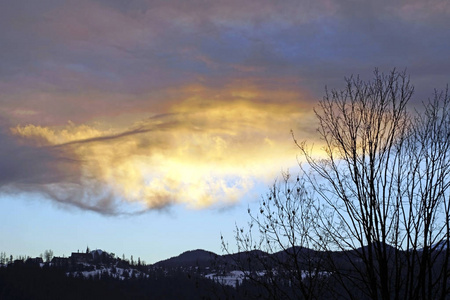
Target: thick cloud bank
200, 154
117, 106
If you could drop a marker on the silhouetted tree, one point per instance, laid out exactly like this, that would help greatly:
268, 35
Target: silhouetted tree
384, 182
282, 227
48, 255
375, 202
2, 258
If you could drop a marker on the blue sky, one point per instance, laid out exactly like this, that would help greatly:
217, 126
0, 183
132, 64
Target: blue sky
30, 226
147, 127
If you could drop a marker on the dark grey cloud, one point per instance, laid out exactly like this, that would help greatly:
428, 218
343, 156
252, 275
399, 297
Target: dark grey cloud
22, 163
140, 46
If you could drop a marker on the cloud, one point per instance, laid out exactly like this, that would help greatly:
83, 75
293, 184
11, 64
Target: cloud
133, 47
216, 87
200, 153
22, 163
27, 167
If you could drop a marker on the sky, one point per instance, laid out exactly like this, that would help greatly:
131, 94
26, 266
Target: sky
147, 128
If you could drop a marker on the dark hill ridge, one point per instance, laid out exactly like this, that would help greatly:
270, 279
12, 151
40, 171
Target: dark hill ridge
189, 258
254, 259
203, 258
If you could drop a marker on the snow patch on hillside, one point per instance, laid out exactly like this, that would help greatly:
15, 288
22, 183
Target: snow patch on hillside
114, 272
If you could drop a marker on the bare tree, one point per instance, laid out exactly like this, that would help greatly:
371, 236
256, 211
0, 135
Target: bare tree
373, 206
278, 250
48, 255
3, 258
426, 211
384, 181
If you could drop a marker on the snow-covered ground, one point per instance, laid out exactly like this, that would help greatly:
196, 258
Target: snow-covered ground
232, 278
118, 273
235, 278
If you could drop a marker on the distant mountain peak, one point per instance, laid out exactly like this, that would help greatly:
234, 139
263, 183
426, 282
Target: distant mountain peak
198, 256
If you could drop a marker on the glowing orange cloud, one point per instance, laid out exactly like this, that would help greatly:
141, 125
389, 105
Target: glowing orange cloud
206, 150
